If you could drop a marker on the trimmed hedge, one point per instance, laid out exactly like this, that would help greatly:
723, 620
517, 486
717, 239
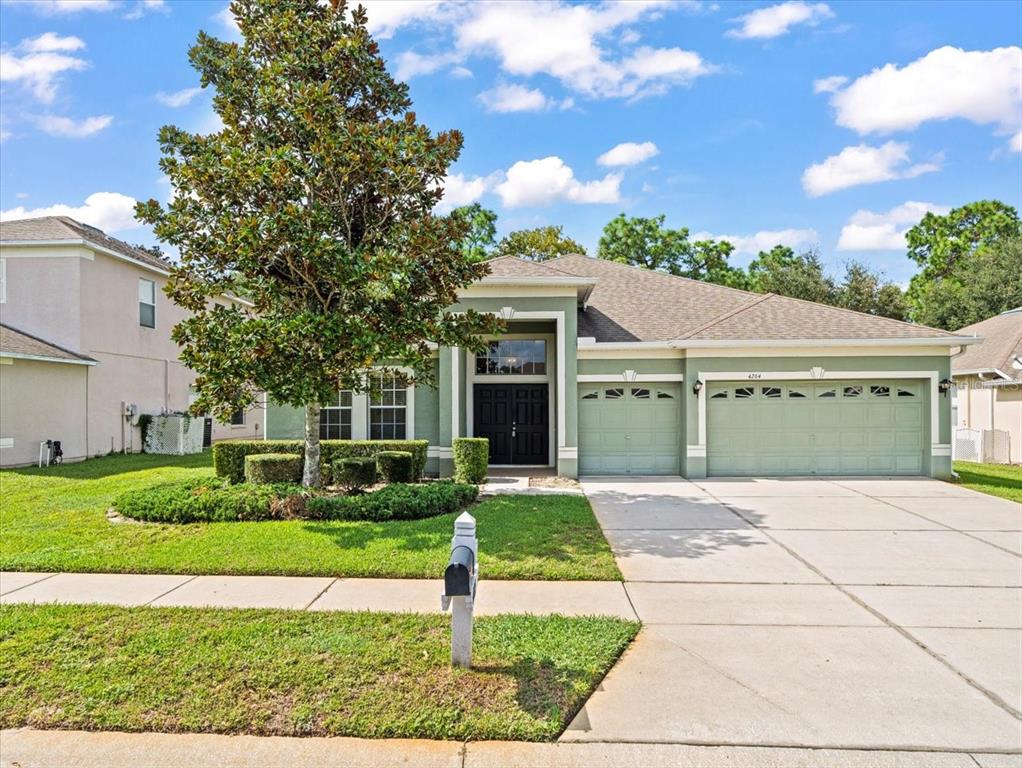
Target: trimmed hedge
213, 499
263, 468
395, 502
355, 473
471, 458
395, 466
229, 456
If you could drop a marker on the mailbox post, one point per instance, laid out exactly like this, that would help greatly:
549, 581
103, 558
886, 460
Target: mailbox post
460, 580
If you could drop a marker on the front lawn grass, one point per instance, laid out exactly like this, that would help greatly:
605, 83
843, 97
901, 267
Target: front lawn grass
294, 673
55, 520
1004, 480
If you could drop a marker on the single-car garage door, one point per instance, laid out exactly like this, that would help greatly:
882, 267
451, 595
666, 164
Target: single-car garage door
815, 428
629, 429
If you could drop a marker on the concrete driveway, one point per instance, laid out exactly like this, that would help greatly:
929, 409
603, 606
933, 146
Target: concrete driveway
847, 613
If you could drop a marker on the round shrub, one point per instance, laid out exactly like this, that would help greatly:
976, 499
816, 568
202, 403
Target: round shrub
471, 457
212, 499
395, 466
262, 468
355, 473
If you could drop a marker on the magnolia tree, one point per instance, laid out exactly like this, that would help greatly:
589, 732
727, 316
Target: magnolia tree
315, 202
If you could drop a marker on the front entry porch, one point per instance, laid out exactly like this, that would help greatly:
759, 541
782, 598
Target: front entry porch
515, 418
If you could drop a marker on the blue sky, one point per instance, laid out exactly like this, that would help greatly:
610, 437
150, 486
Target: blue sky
830, 124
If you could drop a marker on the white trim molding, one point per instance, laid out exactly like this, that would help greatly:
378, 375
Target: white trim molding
591, 378
940, 449
440, 452
44, 359
567, 452
942, 341
824, 375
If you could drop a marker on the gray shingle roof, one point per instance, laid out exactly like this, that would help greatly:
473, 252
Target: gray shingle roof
66, 228
512, 266
15, 342
635, 304
1002, 343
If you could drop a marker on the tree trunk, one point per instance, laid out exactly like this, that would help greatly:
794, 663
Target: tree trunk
310, 474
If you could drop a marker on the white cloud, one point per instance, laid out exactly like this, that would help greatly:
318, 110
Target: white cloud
62, 7
38, 62
514, 98
869, 231
178, 98
763, 240
461, 72
56, 125
22, 195
984, 87
829, 84
460, 190
628, 153
230, 24
566, 41
110, 211
145, 6
1015, 145
387, 16
5, 134
863, 164
548, 180
777, 20
411, 64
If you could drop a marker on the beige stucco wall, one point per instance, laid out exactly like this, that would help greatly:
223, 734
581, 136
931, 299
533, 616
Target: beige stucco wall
88, 302
982, 407
43, 296
59, 389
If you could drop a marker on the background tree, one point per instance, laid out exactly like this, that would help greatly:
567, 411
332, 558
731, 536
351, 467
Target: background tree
646, 242
989, 283
864, 290
800, 276
538, 244
481, 231
950, 249
318, 194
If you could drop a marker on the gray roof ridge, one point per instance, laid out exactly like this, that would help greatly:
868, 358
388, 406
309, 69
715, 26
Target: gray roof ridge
41, 340
915, 326
758, 299
544, 264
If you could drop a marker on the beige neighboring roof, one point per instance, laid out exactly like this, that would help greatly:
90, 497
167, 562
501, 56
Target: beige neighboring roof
630, 304
57, 228
1001, 345
15, 343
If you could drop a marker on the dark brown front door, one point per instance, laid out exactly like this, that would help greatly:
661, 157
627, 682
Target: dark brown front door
516, 420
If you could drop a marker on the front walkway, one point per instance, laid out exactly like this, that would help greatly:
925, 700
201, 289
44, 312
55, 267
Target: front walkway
569, 598
871, 614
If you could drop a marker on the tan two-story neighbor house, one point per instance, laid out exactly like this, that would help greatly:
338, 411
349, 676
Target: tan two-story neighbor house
84, 334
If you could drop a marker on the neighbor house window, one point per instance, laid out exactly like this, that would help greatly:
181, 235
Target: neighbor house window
147, 303
388, 400
513, 356
335, 417
238, 418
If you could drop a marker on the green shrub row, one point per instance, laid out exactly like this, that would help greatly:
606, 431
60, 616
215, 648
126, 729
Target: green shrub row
229, 456
213, 499
265, 468
355, 473
395, 466
394, 502
471, 457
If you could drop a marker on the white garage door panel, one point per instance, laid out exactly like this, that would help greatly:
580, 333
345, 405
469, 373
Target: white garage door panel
629, 429
801, 428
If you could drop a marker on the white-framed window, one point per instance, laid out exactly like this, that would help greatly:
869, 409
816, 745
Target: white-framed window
335, 417
238, 418
146, 303
388, 408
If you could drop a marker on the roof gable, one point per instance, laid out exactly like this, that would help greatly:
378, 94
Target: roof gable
1001, 344
15, 343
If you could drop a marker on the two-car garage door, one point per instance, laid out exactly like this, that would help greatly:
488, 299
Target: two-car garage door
815, 428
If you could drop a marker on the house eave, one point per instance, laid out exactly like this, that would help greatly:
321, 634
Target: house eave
941, 341
45, 359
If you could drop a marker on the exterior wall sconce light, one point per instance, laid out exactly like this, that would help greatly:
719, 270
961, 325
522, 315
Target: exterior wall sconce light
697, 387
944, 386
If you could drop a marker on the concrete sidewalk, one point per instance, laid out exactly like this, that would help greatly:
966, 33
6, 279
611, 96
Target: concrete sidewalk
27, 748
568, 598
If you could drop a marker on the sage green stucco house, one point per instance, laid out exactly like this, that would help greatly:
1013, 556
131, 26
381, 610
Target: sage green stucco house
613, 370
